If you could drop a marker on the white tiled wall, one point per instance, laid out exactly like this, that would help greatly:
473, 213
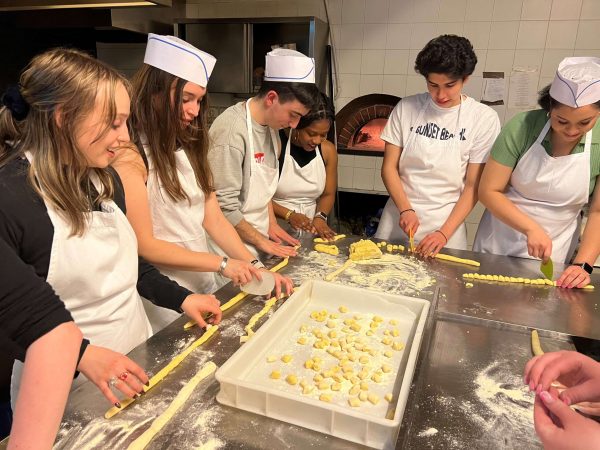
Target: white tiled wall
376, 42
360, 173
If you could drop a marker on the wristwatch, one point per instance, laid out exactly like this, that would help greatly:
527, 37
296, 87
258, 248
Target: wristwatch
223, 265
585, 266
321, 215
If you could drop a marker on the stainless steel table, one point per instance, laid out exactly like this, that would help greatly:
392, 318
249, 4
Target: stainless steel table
467, 389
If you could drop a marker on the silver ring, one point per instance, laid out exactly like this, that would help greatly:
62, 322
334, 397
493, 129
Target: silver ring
113, 381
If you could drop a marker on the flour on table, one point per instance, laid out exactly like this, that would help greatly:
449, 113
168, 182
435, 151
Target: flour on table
498, 410
99, 433
428, 432
394, 274
211, 444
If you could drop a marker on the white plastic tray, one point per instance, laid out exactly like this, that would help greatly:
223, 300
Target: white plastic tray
245, 381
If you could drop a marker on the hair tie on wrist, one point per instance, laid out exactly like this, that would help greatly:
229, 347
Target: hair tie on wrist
15, 103
406, 210
442, 233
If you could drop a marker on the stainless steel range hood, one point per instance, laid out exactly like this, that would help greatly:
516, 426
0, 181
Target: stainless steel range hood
139, 20
27, 5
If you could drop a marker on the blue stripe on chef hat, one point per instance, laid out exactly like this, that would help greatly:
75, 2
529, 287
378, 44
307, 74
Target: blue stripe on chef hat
585, 89
293, 78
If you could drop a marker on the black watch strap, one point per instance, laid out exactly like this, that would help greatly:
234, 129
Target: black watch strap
321, 215
585, 266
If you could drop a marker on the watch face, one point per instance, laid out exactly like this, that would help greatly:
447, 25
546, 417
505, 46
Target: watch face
587, 268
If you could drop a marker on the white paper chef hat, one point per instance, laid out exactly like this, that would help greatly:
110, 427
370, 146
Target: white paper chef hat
179, 58
577, 81
289, 66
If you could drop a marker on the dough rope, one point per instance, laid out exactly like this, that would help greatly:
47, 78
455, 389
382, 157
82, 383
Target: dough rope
535, 343
337, 237
142, 441
239, 297
507, 279
455, 259
162, 373
332, 275
252, 322
329, 249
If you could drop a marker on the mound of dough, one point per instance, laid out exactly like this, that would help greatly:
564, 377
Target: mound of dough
364, 249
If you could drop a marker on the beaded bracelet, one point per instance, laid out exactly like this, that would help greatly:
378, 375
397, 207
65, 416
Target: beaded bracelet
406, 210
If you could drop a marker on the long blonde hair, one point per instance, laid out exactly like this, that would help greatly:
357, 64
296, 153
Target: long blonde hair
61, 87
158, 118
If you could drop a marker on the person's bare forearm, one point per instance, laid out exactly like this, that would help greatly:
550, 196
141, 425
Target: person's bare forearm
227, 238
465, 204
506, 211
174, 256
47, 377
590, 243
466, 201
280, 211
494, 180
248, 233
326, 201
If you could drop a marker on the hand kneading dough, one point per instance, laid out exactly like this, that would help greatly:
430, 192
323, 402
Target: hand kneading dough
165, 370
239, 297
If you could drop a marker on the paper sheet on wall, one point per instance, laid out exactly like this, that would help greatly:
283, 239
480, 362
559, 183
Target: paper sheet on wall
493, 88
522, 92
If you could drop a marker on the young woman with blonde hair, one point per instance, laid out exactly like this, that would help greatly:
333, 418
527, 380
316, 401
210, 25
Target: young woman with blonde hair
62, 209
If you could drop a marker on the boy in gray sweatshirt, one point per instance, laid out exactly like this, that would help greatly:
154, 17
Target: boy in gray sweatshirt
245, 179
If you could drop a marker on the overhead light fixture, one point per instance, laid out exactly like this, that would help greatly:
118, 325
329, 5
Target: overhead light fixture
22, 5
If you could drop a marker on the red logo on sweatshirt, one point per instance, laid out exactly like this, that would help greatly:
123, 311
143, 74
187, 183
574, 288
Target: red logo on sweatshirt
259, 158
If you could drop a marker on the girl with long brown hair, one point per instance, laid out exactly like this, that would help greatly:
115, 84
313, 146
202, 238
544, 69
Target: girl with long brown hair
62, 213
171, 201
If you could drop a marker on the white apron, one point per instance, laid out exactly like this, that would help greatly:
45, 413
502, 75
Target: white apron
179, 222
299, 188
552, 191
95, 275
263, 184
430, 171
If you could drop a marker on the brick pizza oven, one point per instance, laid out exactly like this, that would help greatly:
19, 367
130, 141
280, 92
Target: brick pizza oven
361, 193
360, 123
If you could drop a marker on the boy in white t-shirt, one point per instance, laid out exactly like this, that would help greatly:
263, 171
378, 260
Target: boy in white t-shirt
437, 144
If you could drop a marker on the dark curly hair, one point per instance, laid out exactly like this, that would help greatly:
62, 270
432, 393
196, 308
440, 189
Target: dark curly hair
323, 109
448, 54
547, 103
